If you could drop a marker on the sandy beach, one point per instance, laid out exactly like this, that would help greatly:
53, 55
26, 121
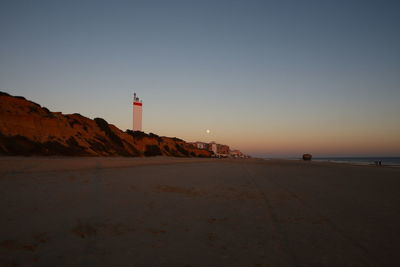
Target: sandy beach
196, 212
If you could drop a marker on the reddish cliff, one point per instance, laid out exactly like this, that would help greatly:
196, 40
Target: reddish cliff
26, 128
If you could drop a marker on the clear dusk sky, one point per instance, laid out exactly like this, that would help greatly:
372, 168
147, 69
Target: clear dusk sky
271, 78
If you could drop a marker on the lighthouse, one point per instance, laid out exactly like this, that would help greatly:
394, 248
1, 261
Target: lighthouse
137, 113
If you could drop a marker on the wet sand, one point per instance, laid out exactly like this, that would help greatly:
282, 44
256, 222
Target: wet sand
196, 212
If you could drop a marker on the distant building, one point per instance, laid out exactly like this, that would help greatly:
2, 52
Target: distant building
213, 147
200, 145
223, 149
137, 113
236, 154
220, 151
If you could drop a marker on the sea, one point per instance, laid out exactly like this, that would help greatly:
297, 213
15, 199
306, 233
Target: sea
386, 161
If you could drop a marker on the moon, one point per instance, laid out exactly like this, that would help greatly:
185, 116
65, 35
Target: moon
208, 131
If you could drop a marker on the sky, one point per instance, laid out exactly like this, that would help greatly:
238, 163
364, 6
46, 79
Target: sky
271, 78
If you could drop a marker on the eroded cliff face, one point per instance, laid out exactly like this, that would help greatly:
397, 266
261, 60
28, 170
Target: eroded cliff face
26, 128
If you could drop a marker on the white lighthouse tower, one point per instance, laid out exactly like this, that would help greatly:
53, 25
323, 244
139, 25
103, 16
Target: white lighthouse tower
137, 113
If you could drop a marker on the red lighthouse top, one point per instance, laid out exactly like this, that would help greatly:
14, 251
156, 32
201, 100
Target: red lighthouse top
136, 101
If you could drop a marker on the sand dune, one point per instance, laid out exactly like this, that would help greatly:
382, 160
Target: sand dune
196, 212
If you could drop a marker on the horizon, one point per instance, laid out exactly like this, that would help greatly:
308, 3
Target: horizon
272, 79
